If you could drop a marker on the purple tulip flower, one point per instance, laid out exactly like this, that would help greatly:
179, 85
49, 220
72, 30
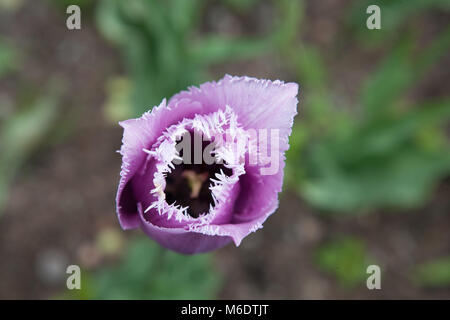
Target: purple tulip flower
194, 202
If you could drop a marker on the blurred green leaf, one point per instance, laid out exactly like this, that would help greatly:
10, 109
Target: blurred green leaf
379, 165
386, 156
161, 49
399, 71
23, 132
403, 180
433, 274
345, 259
388, 81
216, 49
148, 271
8, 57
394, 14
289, 16
241, 5
118, 104
310, 67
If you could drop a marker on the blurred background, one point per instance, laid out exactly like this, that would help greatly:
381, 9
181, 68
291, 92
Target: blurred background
367, 177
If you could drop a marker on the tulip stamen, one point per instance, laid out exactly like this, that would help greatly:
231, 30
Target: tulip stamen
195, 181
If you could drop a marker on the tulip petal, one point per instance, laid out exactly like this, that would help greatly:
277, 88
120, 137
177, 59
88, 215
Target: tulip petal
181, 240
140, 134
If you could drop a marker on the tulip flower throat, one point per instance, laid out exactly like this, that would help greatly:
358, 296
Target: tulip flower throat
189, 182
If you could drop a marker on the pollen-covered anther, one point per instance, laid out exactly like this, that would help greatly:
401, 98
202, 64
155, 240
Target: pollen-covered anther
195, 181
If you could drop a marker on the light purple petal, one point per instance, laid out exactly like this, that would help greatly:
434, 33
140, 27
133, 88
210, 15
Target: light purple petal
259, 104
139, 134
181, 240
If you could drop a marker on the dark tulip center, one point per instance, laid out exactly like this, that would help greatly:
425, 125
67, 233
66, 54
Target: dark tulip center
188, 183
